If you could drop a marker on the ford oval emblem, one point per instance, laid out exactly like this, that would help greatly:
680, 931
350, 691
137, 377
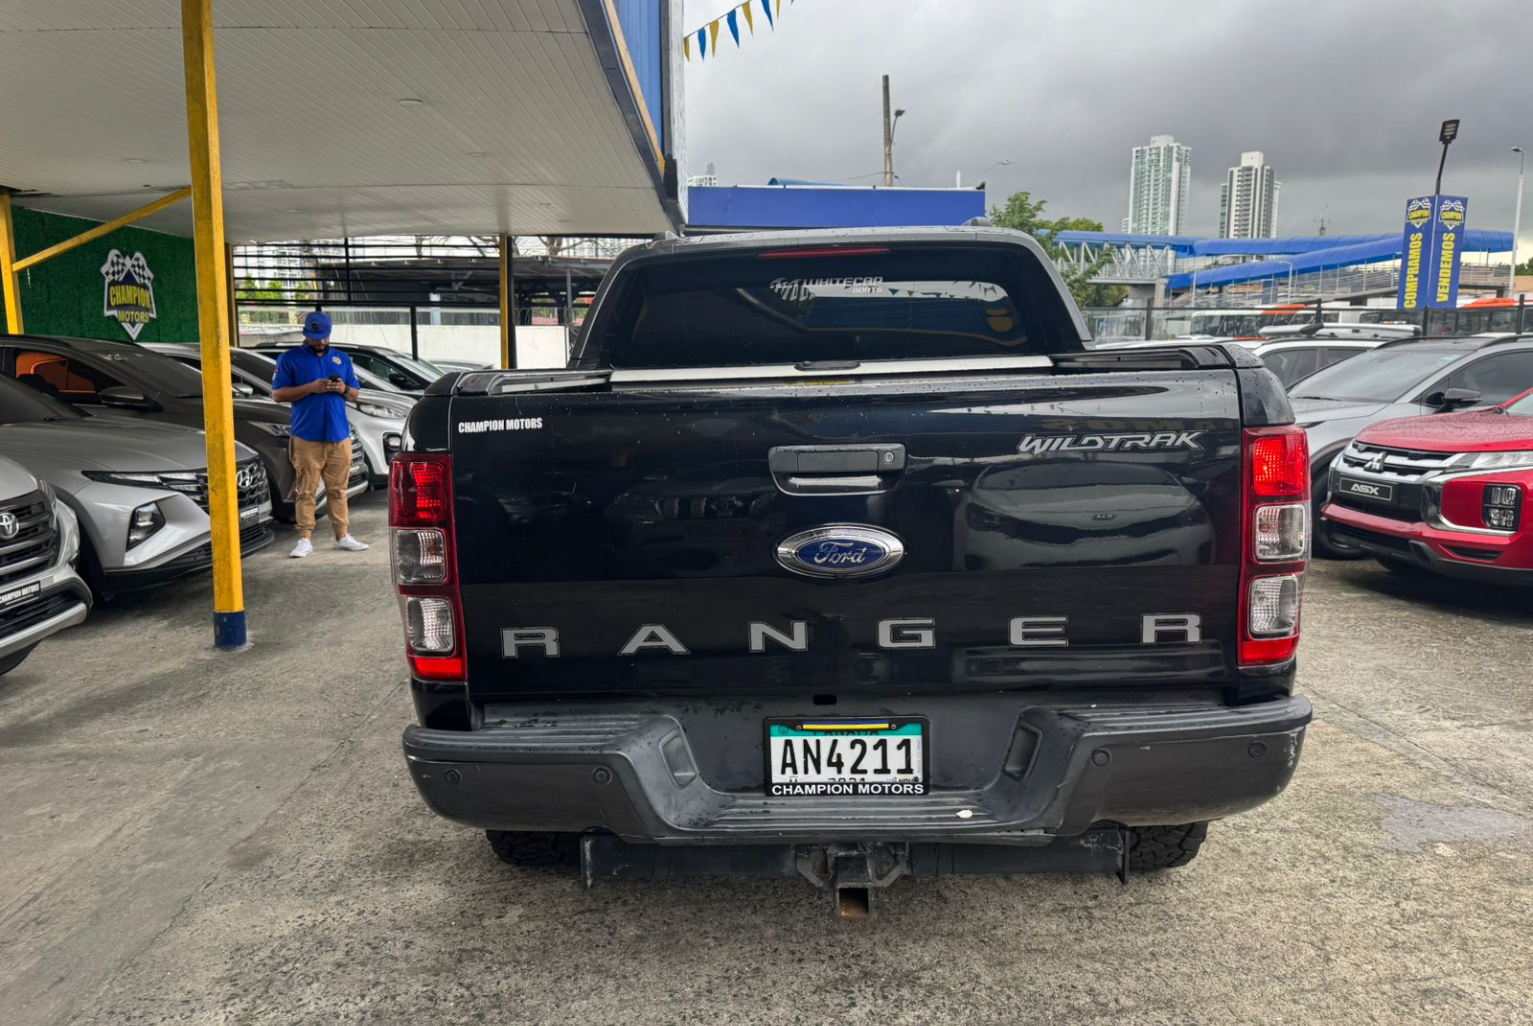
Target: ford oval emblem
840, 550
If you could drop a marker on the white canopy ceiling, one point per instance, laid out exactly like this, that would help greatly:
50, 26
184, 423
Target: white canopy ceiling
511, 124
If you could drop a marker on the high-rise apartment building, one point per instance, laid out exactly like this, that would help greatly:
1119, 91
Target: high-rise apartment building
1248, 200
1159, 181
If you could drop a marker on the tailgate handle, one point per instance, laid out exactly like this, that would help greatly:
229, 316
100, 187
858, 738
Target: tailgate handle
836, 469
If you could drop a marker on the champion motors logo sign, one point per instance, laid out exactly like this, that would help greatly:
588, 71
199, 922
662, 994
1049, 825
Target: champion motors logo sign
1451, 213
129, 292
1418, 211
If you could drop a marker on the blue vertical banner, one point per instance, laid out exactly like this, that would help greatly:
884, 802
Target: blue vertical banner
1417, 277
1448, 215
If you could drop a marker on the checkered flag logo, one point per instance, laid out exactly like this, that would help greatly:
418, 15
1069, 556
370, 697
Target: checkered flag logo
117, 266
129, 295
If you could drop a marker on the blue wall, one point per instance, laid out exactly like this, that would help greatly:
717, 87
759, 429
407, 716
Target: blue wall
643, 31
829, 207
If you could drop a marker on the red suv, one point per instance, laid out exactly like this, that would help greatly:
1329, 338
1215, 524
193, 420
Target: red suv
1444, 492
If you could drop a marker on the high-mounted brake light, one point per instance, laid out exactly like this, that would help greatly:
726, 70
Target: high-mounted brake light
1275, 543
420, 515
821, 251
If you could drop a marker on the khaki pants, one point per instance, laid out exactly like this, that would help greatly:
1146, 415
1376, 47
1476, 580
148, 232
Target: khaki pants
330, 461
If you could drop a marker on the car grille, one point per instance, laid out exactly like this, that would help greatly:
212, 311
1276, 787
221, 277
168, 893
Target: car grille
1390, 462
1408, 512
36, 542
195, 484
358, 461
29, 614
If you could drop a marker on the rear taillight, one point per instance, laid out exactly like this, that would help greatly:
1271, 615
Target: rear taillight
1275, 546
420, 519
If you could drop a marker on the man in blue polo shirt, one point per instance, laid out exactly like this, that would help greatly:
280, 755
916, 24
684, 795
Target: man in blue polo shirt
318, 381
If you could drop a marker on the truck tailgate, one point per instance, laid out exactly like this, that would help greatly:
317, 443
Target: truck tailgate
648, 521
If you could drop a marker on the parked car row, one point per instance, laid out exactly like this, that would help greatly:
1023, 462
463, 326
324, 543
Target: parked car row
377, 417
1421, 450
103, 470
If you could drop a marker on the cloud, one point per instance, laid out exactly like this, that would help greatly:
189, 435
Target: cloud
1343, 97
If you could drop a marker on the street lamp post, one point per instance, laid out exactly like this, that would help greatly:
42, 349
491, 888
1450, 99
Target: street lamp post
1511, 278
958, 176
1445, 135
889, 123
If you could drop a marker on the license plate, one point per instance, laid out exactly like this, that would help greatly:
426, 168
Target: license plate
859, 757
1367, 489
21, 594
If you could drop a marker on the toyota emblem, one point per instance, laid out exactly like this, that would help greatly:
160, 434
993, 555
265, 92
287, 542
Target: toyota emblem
9, 525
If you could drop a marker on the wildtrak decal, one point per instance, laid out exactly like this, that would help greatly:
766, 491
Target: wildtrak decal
1138, 441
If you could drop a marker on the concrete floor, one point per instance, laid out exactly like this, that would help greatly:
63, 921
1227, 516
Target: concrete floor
190, 837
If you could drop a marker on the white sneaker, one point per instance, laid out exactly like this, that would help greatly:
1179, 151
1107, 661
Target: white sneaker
350, 544
303, 548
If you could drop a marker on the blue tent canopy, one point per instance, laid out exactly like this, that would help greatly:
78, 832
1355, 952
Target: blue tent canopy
1340, 251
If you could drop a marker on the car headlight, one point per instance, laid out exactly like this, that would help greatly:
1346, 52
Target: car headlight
1519, 460
280, 430
125, 477
144, 521
374, 410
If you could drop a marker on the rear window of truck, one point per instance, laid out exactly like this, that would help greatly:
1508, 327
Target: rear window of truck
851, 303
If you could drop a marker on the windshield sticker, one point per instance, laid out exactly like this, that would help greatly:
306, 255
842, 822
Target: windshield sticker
803, 290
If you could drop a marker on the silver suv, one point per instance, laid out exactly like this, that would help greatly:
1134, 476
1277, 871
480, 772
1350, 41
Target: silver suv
377, 417
139, 488
40, 593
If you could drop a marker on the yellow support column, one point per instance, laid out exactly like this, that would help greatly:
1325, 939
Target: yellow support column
10, 281
507, 306
213, 318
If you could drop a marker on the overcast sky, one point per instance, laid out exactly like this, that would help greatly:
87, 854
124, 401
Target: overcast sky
1343, 96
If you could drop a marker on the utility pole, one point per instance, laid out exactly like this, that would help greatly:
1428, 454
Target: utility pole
888, 138
1511, 282
889, 123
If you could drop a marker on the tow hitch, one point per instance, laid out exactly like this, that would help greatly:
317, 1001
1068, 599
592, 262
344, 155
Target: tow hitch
852, 870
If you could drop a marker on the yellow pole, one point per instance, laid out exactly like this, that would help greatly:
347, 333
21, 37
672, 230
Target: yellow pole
105, 228
10, 281
213, 318
507, 307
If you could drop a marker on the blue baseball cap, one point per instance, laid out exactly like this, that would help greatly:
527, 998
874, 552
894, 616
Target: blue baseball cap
316, 325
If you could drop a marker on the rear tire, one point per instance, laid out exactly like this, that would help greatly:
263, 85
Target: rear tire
527, 850
1164, 847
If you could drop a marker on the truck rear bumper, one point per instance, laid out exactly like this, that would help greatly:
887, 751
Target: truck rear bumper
1066, 767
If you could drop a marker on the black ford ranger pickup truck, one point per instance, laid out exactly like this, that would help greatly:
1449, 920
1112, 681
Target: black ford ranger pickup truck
842, 554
